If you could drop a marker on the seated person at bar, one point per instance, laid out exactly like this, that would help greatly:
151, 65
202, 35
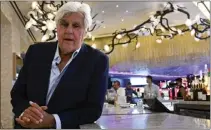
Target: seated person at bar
181, 93
129, 93
114, 92
151, 90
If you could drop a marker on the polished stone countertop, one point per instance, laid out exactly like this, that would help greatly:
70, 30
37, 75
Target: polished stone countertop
134, 118
158, 121
186, 102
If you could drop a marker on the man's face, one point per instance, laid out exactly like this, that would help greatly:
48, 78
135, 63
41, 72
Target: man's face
71, 32
129, 86
148, 80
116, 85
178, 83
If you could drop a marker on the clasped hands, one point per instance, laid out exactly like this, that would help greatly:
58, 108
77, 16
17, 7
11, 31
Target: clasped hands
35, 116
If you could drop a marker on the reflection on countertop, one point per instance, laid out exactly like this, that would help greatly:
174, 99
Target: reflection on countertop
112, 110
153, 121
134, 118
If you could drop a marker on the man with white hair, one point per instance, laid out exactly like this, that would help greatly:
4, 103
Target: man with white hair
62, 84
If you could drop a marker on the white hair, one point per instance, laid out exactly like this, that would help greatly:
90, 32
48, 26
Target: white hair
75, 7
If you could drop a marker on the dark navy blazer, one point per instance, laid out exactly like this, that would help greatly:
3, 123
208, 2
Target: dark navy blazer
80, 94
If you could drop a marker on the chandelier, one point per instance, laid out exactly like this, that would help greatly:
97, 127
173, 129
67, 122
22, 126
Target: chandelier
159, 25
42, 17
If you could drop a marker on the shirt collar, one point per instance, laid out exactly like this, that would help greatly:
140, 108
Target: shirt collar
57, 57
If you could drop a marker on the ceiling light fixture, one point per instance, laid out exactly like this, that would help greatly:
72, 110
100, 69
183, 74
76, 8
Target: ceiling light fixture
159, 40
42, 16
119, 36
106, 48
138, 45
161, 28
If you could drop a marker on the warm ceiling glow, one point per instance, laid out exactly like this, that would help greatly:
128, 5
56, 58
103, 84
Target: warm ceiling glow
196, 39
44, 38
188, 22
159, 41
34, 5
138, 45
124, 45
93, 38
163, 29
179, 31
119, 36
106, 48
192, 32
94, 46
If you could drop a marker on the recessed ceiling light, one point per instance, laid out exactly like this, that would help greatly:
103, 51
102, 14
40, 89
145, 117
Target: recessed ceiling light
126, 11
117, 6
104, 27
122, 20
103, 11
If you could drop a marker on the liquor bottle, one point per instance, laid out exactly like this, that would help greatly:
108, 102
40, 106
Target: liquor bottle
191, 93
192, 90
196, 92
203, 78
204, 93
199, 91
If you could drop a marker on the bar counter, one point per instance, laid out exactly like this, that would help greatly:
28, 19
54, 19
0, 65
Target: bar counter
187, 102
134, 118
200, 109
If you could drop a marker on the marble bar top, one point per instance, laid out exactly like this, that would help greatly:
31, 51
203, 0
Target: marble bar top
155, 121
186, 102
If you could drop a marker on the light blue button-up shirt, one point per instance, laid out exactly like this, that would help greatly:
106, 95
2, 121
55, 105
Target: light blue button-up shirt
55, 78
